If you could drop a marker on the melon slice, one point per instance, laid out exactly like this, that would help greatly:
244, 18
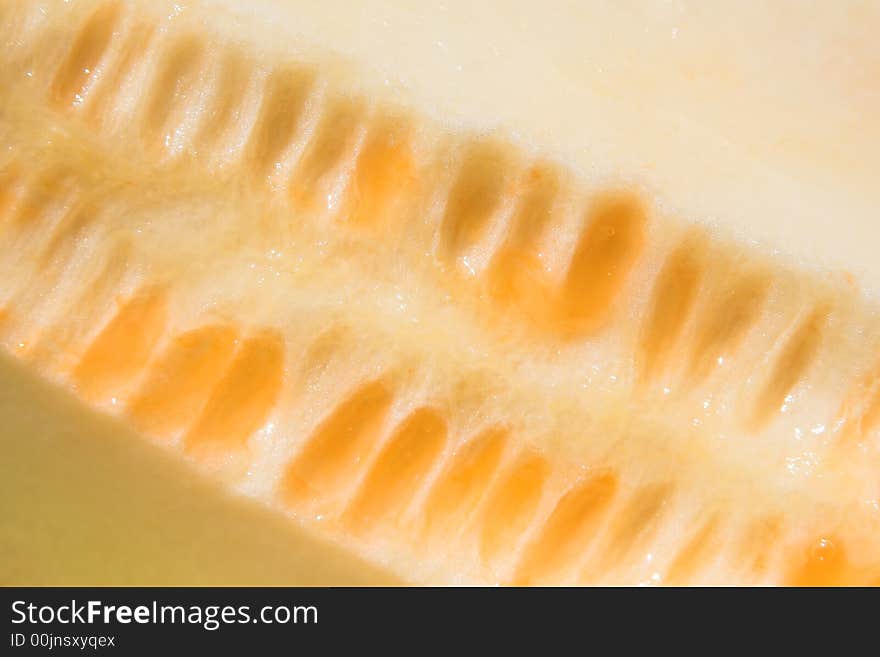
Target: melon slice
434, 335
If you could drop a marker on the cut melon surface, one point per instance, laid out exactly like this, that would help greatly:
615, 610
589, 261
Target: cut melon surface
443, 348
85, 501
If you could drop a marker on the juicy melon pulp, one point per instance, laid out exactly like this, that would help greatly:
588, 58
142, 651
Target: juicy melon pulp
442, 349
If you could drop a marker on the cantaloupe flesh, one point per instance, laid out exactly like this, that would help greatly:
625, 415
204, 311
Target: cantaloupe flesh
467, 356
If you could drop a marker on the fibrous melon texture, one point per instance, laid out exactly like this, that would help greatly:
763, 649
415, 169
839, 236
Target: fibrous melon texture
445, 349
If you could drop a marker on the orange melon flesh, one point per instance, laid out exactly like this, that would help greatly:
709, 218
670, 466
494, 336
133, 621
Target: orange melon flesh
435, 337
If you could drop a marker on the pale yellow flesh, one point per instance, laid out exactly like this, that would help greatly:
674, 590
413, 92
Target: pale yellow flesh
662, 396
758, 117
85, 502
